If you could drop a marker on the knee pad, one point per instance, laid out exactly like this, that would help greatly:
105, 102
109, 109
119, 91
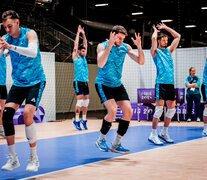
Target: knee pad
85, 102
7, 119
30, 132
158, 112
205, 112
79, 103
123, 126
170, 113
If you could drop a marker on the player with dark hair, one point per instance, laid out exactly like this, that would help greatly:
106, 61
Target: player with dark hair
164, 87
28, 84
80, 82
110, 58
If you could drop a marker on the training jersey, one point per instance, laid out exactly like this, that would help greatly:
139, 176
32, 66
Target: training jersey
111, 74
205, 74
165, 66
194, 79
80, 69
3, 69
26, 71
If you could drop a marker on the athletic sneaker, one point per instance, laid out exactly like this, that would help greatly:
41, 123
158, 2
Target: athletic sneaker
12, 163
77, 125
166, 138
33, 164
84, 124
188, 120
102, 146
120, 149
204, 132
155, 140
198, 119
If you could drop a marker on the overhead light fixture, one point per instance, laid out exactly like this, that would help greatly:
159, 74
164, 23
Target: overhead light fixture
166, 20
190, 26
137, 13
103, 4
203, 8
205, 31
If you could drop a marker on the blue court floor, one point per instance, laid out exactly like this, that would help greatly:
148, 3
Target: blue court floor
77, 150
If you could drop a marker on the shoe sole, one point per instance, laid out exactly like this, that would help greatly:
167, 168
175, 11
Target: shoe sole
165, 140
120, 152
101, 149
155, 143
10, 169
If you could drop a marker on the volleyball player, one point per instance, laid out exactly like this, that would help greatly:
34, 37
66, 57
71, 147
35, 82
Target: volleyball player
28, 84
110, 58
164, 87
80, 82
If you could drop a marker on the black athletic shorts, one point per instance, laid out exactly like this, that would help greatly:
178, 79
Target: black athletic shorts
81, 88
165, 92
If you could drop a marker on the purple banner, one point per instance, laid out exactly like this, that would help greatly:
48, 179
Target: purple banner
180, 95
146, 95
38, 116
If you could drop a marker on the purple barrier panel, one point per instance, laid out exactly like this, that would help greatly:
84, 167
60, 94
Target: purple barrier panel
145, 112
146, 95
180, 95
39, 115
134, 114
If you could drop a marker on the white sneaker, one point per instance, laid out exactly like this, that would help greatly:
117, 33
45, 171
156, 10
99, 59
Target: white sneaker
188, 120
12, 163
33, 164
204, 132
198, 120
166, 138
155, 140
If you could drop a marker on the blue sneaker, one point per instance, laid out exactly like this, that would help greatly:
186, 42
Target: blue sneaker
84, 124
120, 149
77, 125
102, 146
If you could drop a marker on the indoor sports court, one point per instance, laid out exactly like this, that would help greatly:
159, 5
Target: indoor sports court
67, 153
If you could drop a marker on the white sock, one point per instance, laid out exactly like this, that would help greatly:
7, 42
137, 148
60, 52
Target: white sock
77, 118
205, 126
164, 130
84, 117
101, 137
12, 150
1, 128
33, 151
117, 141
154, 132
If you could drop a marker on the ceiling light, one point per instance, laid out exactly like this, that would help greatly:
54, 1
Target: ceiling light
204, 8
190, 26
104, 4
205, 31
166, 20
137, 13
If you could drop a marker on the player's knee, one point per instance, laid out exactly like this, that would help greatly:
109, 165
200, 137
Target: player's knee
7, 119
85, 102
158, 112
30, 132
79, 103
170, 113
205, 112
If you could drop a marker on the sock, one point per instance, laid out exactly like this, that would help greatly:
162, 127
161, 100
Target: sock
33, 151
117, 141
101, 137
1, 128
12, 150
205, 126
84, 117
154, 132
77, 118
164, 130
